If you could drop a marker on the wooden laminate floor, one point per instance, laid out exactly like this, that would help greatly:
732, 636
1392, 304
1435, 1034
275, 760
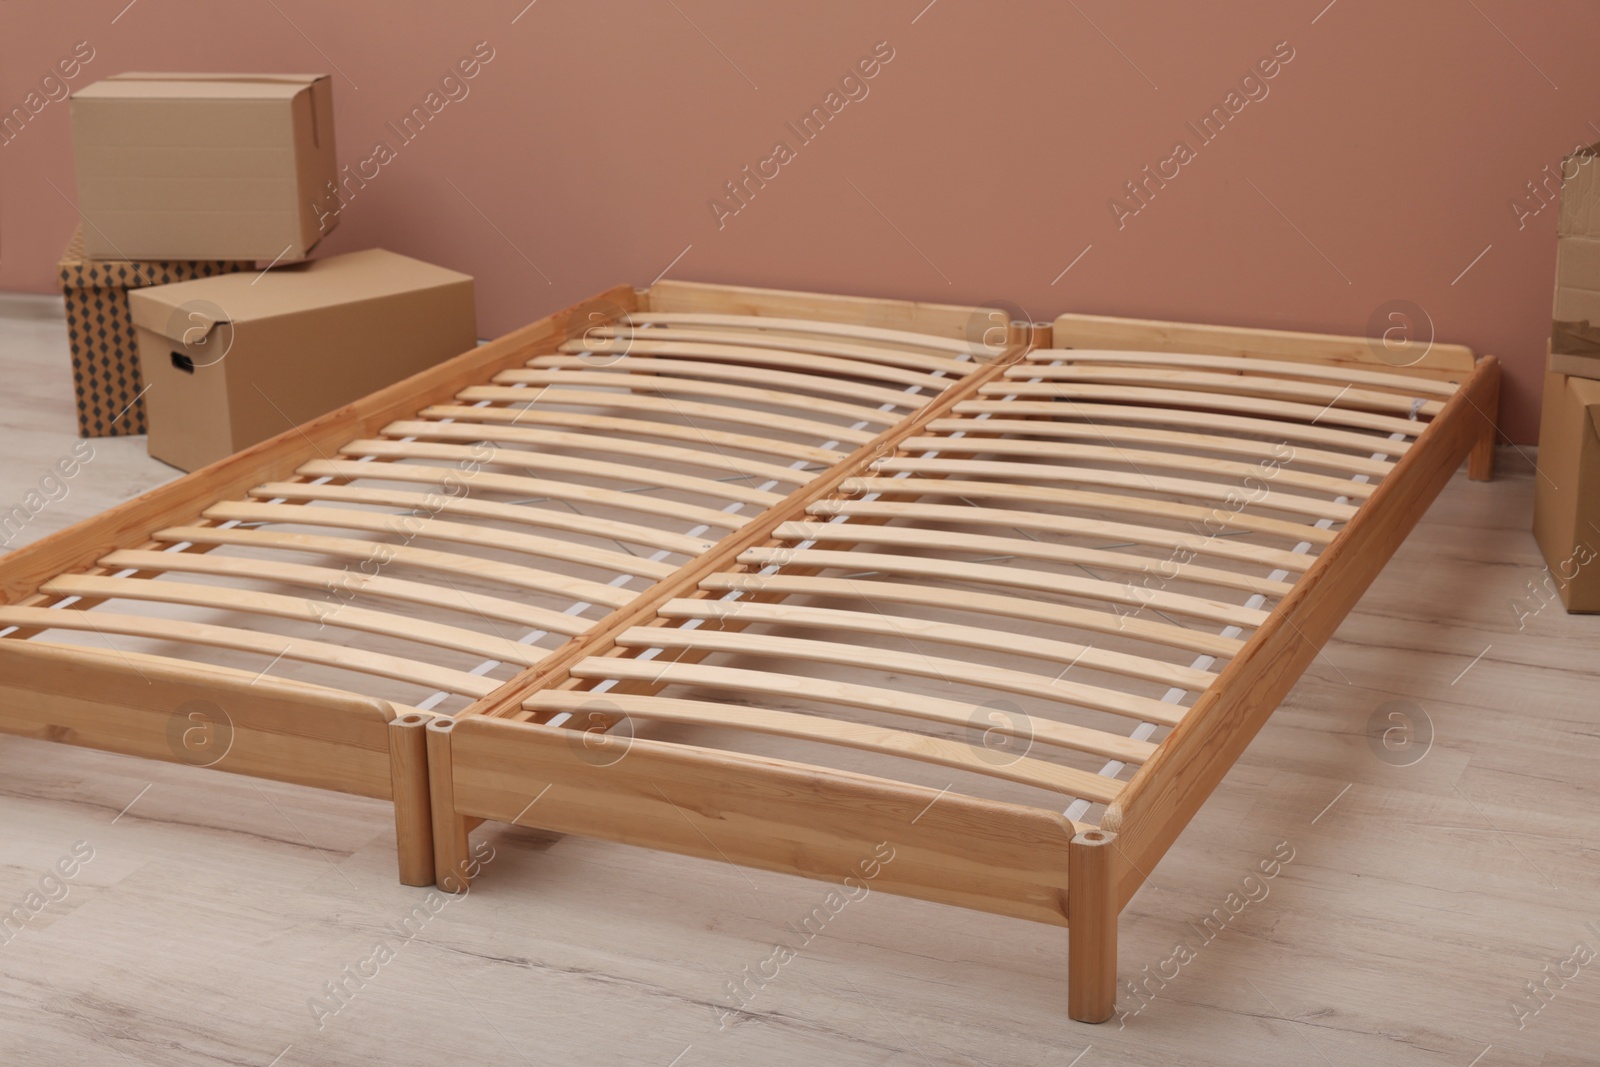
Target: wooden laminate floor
222, 920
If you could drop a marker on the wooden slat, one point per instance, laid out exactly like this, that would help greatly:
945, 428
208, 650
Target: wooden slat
669, 431
685, 409
1092, 411
806, 326
715, 459
656, 383
320, 613
552, 463
710, 370
470, 567
1054, 523
517, 514
518, 485
1156, 632
1221, 517
1280, 410
1063, 654
1345, 375
1138, 458
1144, 436
989, 574
344, 585
1220, 492
1026, 548
271, 646
816, 357
1067, 781
1058, 691
456, 533
1240, 385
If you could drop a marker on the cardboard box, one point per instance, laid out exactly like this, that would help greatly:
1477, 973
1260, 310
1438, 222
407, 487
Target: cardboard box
1580, 194
237, 359
1566, 509
204, 166
105, 353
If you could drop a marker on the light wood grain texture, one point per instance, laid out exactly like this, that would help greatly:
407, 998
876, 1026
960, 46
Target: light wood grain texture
877, 364
413, 809
792, 381
770, 814
1343, 373
1092, 915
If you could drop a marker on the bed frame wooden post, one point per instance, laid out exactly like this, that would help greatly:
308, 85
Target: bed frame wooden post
450, 843
1091, 926
413, 817
1480, 462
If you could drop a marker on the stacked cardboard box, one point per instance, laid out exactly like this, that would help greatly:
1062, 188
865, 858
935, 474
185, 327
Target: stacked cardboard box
105, 353
184, 179
1566, 518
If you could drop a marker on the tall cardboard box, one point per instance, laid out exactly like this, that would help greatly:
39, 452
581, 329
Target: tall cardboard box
237, 359
1566, 510
204, 166
1575, 326
105, 352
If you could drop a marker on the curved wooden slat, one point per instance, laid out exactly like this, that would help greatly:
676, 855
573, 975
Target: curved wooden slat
1143, 436
801, 384
682, 408
670, 431
429, 529
1048, 522
342, 584
817, 326
273, 646
1075, 498
471, 567
551, 462
810, 361
906, 627
657, 383
1197, 401
1239, 385
328, 612
1090, 411
1153, 631
1138, 458
518, 514
728, 338
1344, 373
715, 459
1068, 781
685, 409
1025, 548
1015, 577
1097, 698
517, 485
1220, 492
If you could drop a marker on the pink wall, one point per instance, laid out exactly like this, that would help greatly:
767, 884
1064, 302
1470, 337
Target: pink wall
1382, 160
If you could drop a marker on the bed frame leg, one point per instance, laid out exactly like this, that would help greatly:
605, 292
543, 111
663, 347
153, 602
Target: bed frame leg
1480, 461
413, 817
1091, 927
450, 845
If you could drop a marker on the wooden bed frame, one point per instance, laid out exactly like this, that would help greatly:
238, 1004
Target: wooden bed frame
810, 475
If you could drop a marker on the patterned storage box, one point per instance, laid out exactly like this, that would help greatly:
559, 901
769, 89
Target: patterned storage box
105, 355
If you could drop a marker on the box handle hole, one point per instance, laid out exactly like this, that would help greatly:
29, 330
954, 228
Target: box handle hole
183, 362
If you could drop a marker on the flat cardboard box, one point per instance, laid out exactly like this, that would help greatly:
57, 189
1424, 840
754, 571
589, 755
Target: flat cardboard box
105, 350
1566, 510
237, 359
204, 166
